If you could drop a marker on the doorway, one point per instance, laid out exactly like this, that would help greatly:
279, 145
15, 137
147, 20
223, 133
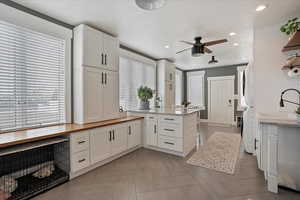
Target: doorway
221, 99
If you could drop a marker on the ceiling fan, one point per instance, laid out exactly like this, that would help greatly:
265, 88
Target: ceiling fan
199, 48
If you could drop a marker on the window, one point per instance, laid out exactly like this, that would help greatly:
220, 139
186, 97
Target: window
32, 78
178, 83
134, 74
195, 85
241, 88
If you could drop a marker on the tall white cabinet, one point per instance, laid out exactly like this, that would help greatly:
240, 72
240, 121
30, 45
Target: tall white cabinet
166, 83
96, 76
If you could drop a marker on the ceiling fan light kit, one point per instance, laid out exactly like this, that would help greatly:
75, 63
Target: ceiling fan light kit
150, 4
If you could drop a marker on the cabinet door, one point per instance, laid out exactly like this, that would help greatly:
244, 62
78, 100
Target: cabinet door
111, 50
151, 132
92, 47
100, 144
134, 134
119, 139
170, 94
111, 95
92, 79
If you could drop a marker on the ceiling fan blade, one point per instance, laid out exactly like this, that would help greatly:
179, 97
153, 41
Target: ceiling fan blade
215, 42
186, 42
207, 50
184, 50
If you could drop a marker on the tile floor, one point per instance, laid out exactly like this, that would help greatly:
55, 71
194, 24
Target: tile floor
150, 175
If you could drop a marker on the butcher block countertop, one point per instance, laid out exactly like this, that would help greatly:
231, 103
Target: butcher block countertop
31, 135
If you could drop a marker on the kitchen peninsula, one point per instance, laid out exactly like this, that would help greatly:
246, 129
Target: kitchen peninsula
169, 130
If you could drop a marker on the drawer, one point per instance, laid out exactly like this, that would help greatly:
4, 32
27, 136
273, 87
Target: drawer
151, 117
169, 129
170, 119
80, 141
170, 143
80, 161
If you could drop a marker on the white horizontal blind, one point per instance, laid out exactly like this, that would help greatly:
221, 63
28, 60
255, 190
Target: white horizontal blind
134, 74
32, 71
195, 84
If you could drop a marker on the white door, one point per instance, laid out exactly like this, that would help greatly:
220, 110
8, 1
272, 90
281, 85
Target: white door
93, 54
151, 132
134, 134
119, 139
111, 52
110, 95
100, 144
92, 94
220, 99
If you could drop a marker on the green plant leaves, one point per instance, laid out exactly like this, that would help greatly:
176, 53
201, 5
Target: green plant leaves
291, 26
145, 93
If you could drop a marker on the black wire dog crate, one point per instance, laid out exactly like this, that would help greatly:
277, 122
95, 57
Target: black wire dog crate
29, 169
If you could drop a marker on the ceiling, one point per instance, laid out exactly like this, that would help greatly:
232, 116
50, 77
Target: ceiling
150, 31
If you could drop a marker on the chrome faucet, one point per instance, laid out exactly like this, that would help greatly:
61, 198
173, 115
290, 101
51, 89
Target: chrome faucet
284, 100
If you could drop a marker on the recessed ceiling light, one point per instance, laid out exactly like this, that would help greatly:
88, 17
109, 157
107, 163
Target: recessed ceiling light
261, 8
167, 46
232, 33
235, 44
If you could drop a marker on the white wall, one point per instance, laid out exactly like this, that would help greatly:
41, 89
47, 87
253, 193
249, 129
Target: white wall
269, 79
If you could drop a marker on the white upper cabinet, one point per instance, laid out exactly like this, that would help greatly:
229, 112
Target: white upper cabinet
166, 83
111, 53
95, 49
96, 76
92, 95
111, 95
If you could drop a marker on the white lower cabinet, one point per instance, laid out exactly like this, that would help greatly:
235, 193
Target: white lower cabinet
119, 139
88, 148
100, 145
134, 134
151, 132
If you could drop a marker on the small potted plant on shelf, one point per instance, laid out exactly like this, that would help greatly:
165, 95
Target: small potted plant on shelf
298, 114
144, 94
291, 27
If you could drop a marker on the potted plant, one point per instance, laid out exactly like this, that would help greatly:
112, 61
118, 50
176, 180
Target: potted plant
144, 94
291, 27
298, 114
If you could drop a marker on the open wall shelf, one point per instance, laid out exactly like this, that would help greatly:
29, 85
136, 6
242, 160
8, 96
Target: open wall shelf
293, 44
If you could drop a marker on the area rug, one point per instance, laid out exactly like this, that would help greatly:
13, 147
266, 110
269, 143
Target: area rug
219, 153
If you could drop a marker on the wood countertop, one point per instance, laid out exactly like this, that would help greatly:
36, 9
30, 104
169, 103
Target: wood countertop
31, 135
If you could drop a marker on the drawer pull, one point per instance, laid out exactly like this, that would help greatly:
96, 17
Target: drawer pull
169, 119
169, 143
167, 129
151, 117
82, 160
81, 142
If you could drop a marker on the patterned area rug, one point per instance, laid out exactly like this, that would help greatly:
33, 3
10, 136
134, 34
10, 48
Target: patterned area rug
219, 153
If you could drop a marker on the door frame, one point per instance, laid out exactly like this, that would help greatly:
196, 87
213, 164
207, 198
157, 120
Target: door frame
209, 79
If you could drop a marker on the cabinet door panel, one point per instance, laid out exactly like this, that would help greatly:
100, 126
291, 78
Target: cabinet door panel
111, 95
111, 50
151, 132
119, 142
92, 47
100, 144
92, 95
134, 134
